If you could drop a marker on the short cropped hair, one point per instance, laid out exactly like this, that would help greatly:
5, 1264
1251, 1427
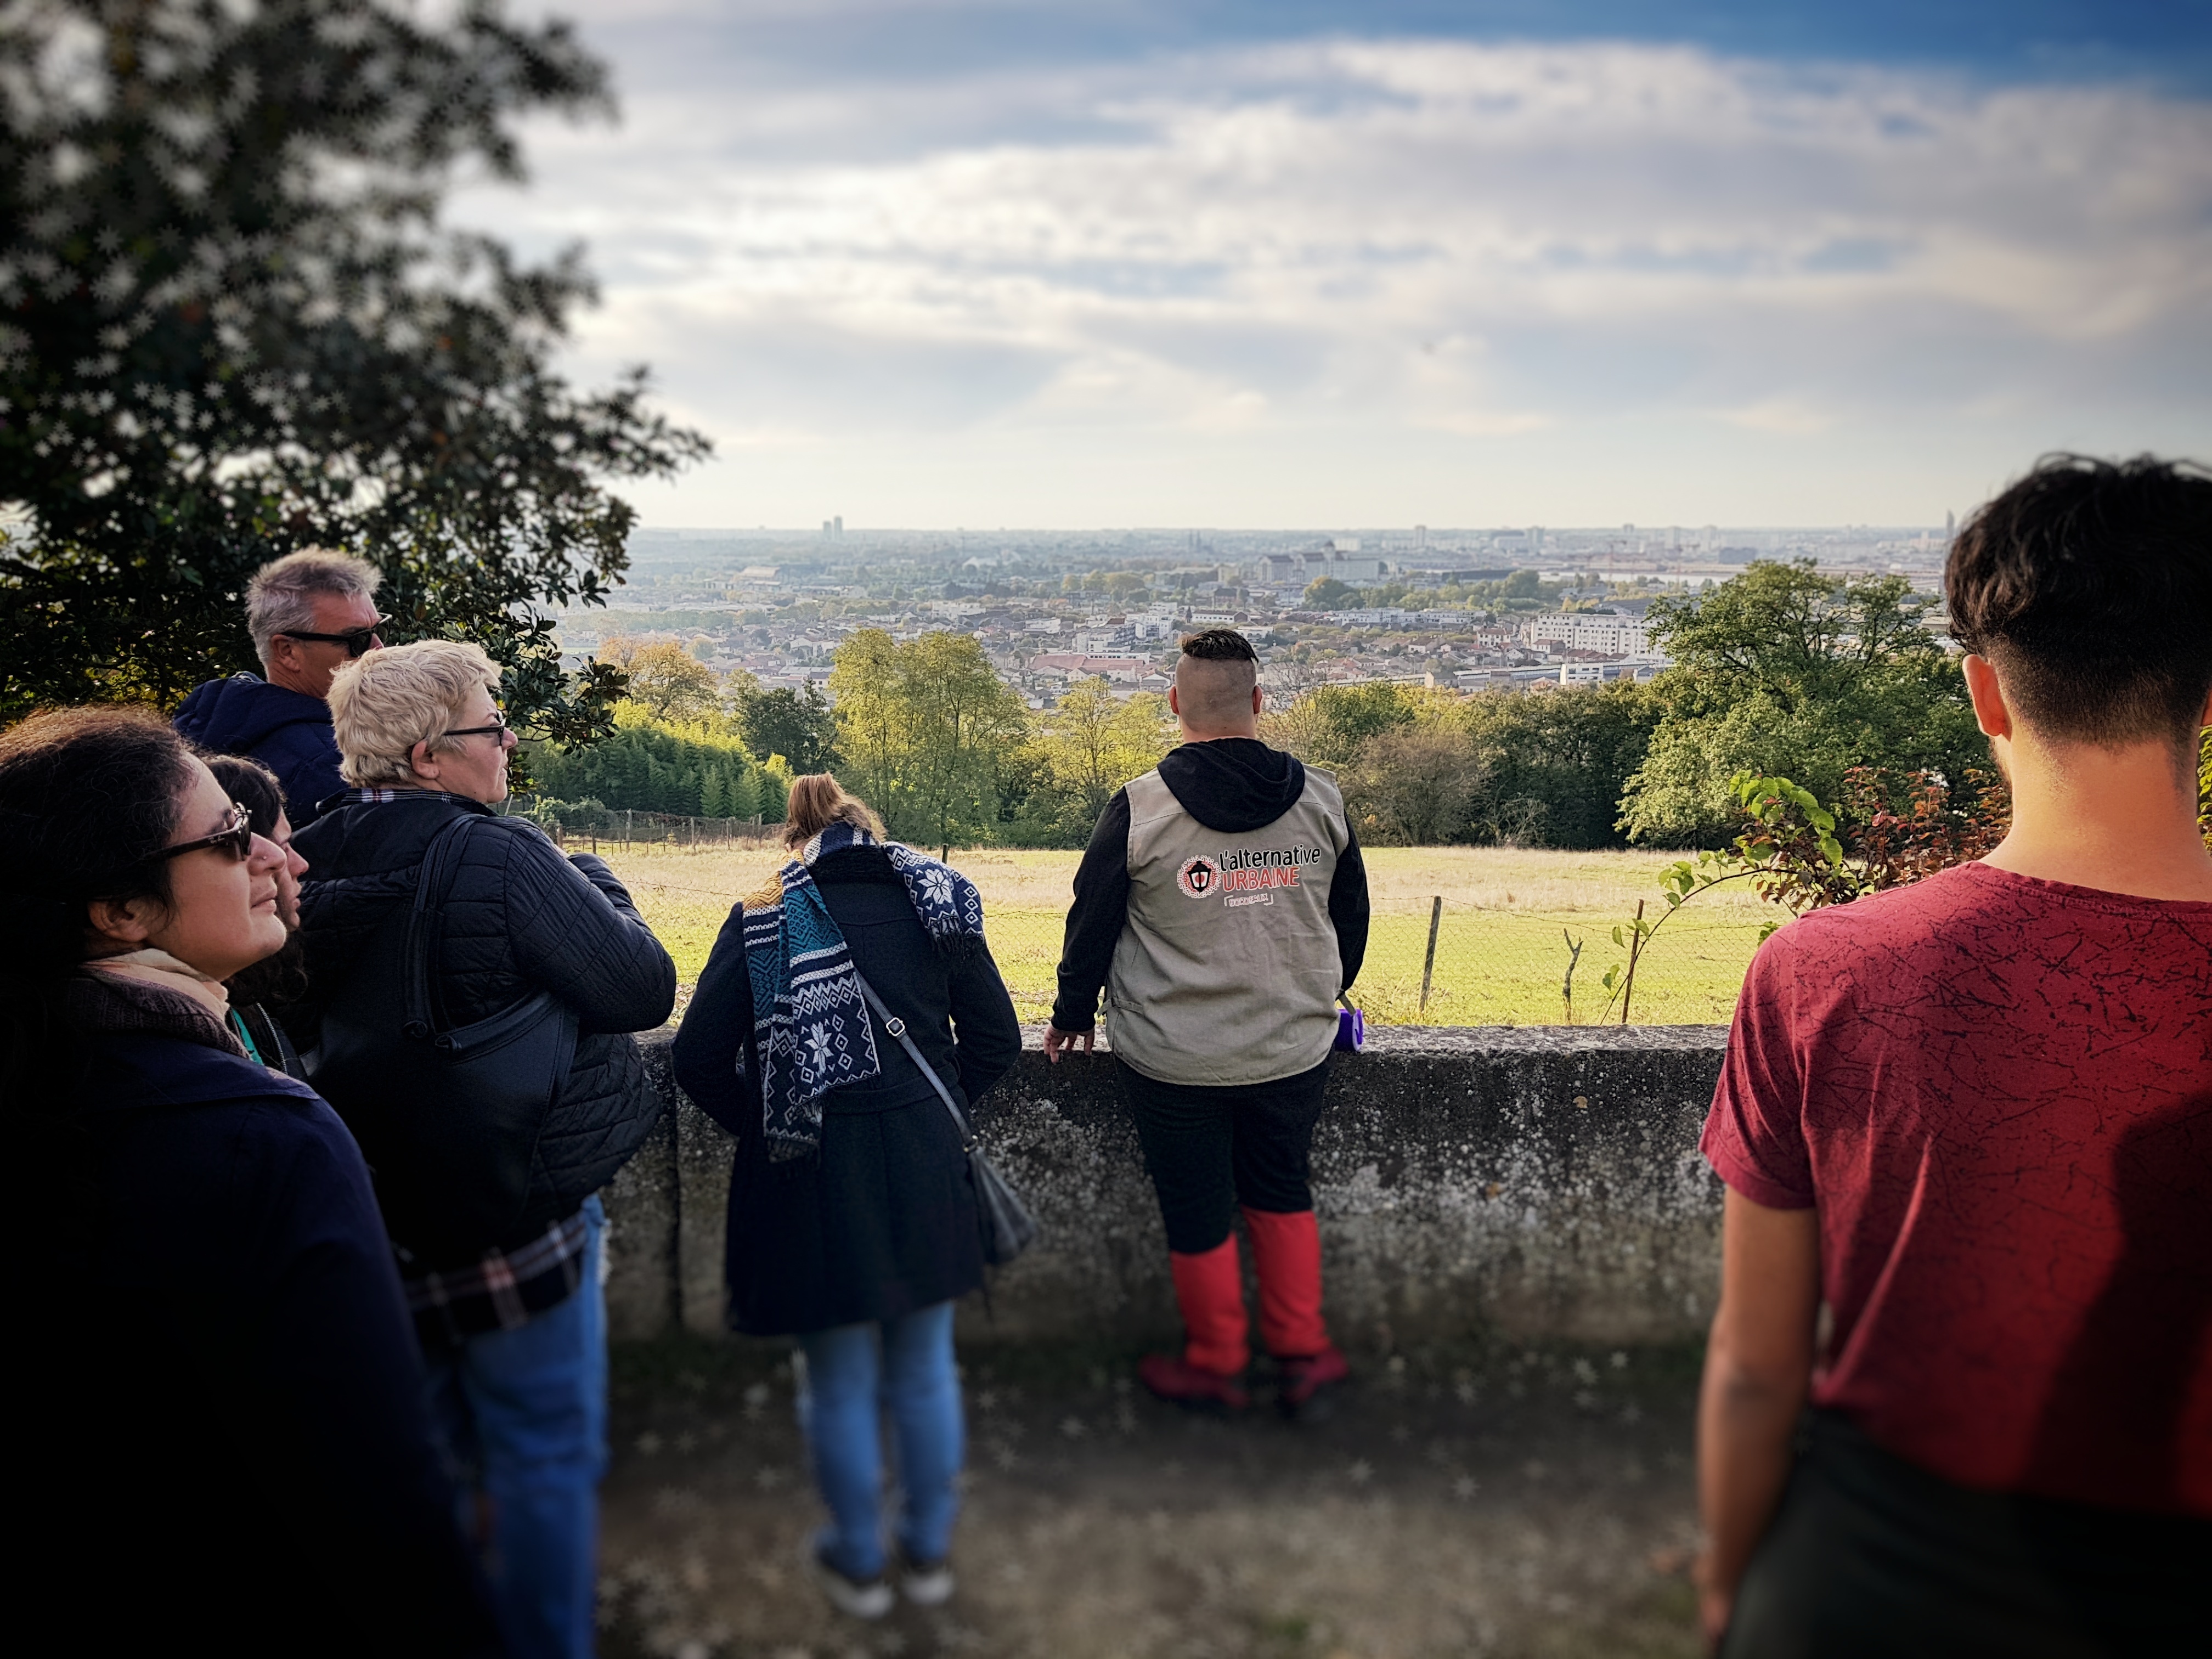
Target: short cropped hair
1219, 645
385, 703
280, 598
2088, 584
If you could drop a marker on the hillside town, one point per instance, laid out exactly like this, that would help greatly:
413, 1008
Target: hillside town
1526, 610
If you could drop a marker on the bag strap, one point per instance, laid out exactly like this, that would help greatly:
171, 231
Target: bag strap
415, 959
896, 1027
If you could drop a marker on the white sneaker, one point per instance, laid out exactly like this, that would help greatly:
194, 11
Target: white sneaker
849, 1595
926, 1587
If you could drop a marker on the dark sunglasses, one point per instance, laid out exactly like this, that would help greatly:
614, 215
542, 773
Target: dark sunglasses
237, 839
498, 726
358, 641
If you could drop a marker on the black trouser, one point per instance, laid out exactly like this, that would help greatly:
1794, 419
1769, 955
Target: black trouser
1871, 1555
1210, 1150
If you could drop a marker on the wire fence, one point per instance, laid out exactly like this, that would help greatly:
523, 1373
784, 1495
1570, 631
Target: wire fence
1430, 960
592, 828
1505, 966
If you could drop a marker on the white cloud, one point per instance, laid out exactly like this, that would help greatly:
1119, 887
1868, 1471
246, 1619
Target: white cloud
1616, 261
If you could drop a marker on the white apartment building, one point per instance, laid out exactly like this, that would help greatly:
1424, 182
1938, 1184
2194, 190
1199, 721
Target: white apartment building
1600, 631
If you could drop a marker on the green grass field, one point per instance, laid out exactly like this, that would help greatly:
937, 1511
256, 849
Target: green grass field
1502, 946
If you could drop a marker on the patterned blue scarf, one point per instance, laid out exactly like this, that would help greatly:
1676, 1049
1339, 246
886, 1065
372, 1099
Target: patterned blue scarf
810, 1022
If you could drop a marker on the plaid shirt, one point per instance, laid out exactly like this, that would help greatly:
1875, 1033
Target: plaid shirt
501, 1292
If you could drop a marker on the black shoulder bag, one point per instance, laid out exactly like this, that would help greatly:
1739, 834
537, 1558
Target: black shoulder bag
1005, 1222
448, 1119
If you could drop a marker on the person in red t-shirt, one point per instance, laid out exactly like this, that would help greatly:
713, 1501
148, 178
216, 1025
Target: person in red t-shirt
1973, 1118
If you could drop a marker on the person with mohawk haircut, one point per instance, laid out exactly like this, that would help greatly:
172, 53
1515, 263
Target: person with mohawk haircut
1222, 906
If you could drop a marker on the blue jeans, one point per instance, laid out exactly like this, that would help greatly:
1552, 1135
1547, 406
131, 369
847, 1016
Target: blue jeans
524, 1412
846, 1386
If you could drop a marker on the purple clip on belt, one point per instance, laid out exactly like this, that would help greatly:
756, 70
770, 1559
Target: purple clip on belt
1351, 1030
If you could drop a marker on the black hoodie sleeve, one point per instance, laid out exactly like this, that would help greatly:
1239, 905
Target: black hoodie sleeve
1094, 924
1347, 906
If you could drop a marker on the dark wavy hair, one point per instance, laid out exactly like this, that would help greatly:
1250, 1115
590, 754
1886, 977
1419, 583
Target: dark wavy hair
2088, 583
87, 797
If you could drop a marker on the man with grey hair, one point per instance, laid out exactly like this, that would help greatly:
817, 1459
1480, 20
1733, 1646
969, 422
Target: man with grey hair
309, 613
1222, 908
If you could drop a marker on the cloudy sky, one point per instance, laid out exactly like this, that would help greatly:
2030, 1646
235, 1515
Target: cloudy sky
984, 263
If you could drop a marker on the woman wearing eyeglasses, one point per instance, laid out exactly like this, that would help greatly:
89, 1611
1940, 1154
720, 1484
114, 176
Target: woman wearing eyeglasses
218, 1433
256, 993
492, 1209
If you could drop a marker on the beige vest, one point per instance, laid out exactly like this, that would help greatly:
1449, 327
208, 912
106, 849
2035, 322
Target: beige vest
1227, 971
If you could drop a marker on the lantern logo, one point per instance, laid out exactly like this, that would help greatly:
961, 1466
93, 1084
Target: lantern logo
1198, 878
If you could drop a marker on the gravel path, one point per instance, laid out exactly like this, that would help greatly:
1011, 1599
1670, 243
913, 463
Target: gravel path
1493, 1501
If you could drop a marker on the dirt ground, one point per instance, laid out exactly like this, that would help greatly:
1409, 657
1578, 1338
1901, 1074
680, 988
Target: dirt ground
1496, 1501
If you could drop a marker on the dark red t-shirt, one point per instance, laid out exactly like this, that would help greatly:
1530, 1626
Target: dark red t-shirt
1997, 1093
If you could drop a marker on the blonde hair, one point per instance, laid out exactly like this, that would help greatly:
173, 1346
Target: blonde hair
280, 598
818, 800
385, 703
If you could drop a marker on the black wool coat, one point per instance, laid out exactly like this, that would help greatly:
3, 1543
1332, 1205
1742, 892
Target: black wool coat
221, 1433
881, 1220
518, 918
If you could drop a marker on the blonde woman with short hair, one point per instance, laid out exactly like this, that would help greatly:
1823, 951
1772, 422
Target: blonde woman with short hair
511, 1316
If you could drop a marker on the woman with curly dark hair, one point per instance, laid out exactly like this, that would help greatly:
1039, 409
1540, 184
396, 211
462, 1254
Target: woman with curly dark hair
222, 1416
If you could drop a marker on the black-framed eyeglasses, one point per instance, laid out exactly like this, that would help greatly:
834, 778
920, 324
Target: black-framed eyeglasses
499, 727
358, 641
236, 838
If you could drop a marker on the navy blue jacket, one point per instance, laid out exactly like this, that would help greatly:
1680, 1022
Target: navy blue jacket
288, 731
221, 1427
881, 1222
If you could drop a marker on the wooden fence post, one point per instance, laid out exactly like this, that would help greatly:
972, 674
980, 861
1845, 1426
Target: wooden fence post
1429, 965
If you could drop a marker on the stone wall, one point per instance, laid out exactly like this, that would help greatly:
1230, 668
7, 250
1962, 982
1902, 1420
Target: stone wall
1538, 1183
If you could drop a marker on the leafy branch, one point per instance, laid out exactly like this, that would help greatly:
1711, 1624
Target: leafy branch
1798, 853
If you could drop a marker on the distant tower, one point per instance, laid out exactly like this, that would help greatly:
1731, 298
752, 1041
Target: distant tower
1421, 537
825, 527
840, 522
1950, 524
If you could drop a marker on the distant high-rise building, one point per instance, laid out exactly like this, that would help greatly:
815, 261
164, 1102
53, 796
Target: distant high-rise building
840, 522
1421, 537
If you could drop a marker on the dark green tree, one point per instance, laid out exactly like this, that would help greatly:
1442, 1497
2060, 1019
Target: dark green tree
795, 725
232, 325
1783, 672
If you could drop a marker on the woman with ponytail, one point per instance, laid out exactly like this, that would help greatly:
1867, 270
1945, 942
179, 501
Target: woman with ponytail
852, 1221
221, 1434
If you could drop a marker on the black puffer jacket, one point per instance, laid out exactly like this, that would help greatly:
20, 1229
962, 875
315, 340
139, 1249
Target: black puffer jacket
520, 917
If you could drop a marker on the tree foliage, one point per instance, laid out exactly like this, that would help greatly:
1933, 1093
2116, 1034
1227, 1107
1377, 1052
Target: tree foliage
1784, 671
647, 765
231, 325
796, 725
1081, 752
1426, 767
922, 725
663, 680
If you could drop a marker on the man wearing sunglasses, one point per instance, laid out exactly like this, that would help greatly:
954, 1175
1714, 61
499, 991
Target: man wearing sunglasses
309, 613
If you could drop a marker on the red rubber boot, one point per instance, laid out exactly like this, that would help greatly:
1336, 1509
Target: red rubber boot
1210, 1291
1286, 1250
